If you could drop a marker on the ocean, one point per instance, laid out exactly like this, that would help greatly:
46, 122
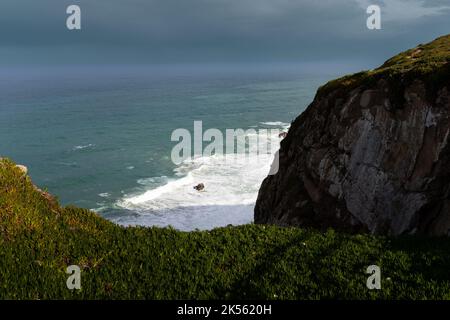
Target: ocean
100, 137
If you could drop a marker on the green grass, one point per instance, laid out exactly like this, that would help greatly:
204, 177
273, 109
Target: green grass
429, 62
38, 240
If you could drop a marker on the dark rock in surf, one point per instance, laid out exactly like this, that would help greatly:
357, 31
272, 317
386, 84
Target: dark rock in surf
199, 187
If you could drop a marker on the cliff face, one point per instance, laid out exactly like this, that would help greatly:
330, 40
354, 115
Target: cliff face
371, 152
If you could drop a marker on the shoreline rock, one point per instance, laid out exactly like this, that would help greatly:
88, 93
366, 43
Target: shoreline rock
370, 154
23, 169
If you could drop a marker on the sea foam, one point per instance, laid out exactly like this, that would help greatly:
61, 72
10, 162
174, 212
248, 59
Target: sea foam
231, 188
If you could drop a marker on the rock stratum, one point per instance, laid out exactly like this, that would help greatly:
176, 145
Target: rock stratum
370, 153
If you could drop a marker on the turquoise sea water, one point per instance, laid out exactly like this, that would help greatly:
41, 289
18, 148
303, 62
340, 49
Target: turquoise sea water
99, 137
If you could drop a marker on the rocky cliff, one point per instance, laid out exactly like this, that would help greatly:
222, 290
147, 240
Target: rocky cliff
371, 152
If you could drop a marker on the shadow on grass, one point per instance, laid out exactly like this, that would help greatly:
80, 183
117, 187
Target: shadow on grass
430, 256
249, 284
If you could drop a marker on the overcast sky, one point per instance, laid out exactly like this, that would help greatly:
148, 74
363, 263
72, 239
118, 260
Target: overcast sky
167, 31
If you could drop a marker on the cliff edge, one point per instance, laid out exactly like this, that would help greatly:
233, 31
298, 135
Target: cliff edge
371, 152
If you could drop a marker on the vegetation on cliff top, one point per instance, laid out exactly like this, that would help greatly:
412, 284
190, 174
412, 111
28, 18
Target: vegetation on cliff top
430, 62
39, 239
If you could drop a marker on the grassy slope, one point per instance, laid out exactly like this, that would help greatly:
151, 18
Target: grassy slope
38, 240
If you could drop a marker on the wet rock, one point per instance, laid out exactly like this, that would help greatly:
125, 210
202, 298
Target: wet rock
199, 187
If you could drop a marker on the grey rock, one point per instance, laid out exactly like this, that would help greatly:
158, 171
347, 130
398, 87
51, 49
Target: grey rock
359, 161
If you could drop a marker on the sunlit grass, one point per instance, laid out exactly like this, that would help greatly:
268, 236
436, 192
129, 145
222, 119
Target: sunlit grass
38, 240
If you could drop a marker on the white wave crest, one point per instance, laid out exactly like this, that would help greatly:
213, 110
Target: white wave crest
231, 187
275, 124
81, 147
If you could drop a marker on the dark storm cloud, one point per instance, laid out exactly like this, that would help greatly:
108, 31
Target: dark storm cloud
204, 30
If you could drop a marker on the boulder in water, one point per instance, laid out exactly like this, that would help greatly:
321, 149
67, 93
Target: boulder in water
199, 187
